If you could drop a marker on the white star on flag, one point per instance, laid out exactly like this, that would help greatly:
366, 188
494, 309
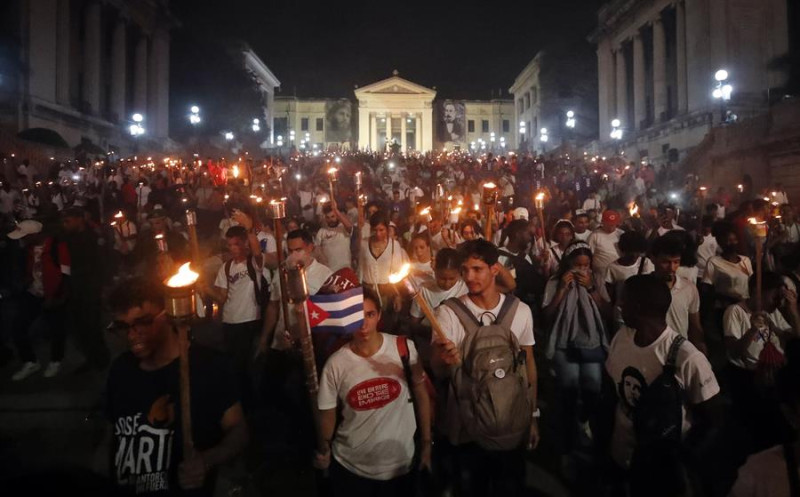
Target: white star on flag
315, 315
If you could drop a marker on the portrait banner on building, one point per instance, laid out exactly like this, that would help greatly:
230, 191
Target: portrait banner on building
339, 121
451, 121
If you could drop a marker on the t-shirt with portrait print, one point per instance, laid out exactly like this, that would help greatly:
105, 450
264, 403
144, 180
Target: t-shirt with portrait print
145, 412
633, 368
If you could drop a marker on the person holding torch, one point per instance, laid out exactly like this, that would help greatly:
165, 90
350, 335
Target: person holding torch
142, 402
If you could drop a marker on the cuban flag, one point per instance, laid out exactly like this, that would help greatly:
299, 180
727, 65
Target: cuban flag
338, 313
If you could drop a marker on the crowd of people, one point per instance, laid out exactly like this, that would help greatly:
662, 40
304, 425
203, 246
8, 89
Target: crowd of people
640, 326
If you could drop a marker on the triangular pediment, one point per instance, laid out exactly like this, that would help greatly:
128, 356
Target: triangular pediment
395, 86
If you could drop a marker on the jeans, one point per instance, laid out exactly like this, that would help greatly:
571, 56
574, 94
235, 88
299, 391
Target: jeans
240, 346
575, 381
31, 307
347, 484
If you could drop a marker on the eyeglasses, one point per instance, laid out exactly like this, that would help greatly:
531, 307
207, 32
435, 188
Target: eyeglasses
122, 328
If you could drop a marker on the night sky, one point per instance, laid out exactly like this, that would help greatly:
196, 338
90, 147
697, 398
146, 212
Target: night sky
324, 49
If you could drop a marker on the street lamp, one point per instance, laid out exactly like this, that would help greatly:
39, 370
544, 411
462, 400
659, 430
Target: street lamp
229, 135
616, 129
137, 129
256, 125
194, 116
723, 91
570, 119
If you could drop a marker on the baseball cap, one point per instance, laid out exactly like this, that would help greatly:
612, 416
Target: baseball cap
520, 213
610, 216
25, 228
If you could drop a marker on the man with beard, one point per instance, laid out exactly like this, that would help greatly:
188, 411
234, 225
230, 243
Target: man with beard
333, 238
450, 129
143, 390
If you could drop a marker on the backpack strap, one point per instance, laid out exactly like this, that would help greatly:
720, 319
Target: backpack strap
228, 273
463, 314
507, 311
641, 265
402, 349
673, 351
791, 469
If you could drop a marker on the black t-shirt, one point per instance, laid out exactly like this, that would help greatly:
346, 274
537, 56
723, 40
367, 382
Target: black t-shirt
144, 408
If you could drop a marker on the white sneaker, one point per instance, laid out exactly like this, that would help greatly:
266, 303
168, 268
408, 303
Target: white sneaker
27, 370
52, 369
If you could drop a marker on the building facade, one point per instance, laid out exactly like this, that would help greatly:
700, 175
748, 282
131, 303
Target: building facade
657, 62
265, 83
85, 67
395, 111
554, 102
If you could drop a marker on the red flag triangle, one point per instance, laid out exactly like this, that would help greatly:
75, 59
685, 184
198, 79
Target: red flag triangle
316, 314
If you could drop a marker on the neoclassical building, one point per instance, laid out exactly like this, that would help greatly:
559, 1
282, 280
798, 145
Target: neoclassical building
396, 111
85, 67
657, 61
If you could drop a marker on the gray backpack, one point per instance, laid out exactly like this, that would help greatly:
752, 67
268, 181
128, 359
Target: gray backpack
489, 401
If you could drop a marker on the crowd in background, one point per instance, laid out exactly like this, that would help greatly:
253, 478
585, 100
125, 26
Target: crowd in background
607, 273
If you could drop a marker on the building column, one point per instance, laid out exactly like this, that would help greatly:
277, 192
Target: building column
62, 53
417, 133
427, 128
140, 78
403, 144
680, 53
91, 58
605, 73
373, 136
639, 96
160, 64
363, 129
119, 67
660, 100
622, 86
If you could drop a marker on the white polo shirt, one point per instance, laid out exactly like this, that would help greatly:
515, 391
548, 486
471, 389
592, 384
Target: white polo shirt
521, 326
685, 301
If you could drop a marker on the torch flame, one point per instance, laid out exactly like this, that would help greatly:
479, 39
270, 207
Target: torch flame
426, 211
235, 171
490, 186
332, 171
395, 278
703, 188
634, 209
754, 221
184, 277
119, 215
740, 187
539, 196
456, 211
476, 207
159, 237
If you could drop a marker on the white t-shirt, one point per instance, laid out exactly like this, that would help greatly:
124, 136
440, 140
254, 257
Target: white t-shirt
268, 243
763, 475
521, 326
316, 275
632, 368
591, 203
604, 249
335, 246
706, 251
736, 322
690, 273
434, 296
793, 233
663, 231
729, 278
376, 270
241, 305
685, 301
583, 236
376, 436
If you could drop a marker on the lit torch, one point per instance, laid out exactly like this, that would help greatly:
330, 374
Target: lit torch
411, 287
633, 210
539, 202
759, 231
180, 305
